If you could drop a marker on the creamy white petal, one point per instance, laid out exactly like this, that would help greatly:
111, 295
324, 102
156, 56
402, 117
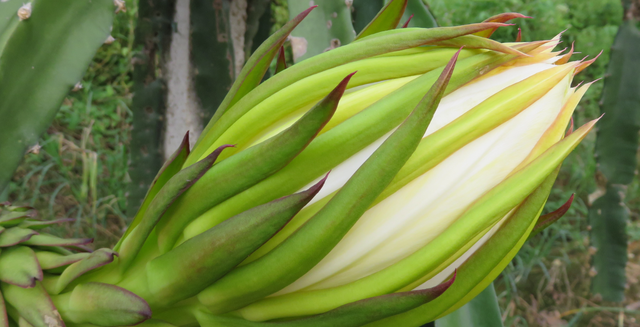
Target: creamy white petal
413, 216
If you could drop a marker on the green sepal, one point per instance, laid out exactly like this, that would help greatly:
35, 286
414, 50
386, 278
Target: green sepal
281, 63
370, 46
16, 217
102, 305
171, 167
33, 304
19, 266
170, 192
360, 130
51, 260
250, 76
15, 235
95, 260
67, 34
484, 265
476, 42
37, 224
50, 240
192, 266
430, 259
246, 168
310, 243
350, 315
547, 220
387, 19
4, 318
499, 18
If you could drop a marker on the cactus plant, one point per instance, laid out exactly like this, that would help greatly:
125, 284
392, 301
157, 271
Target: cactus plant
438, 175
211, 61
616, 150
45, 48
152, 40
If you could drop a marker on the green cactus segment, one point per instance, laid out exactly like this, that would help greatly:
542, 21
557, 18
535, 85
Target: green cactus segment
194, 265
420, 15
500, 18
547, 220
485, 265
387, 19
33, 305
246, 168
608, 218
156, 323
281, 64
617, 140
170, 168
374, 45
350, 137
212, 53
351, 315
258, 24
326, 28
103, 305
95, 260
309, 244
483, 214
16, 235
249, 78
482, 311
19, 266
51, 260
8, 20
616, 150
68, 33
170, 192
364, 11
151, 43
50, 240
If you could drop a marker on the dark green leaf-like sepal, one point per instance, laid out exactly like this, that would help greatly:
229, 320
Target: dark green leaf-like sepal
387, 19
103, 305
33, 304
174, 188
189, 268
171, 167
313, 241
94, 260
355, 314
19, 266
547, 220
15, 235
246, 168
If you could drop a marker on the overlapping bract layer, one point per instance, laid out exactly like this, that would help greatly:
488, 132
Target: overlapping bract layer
438, 158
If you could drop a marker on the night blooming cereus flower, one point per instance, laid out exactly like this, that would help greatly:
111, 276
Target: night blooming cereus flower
382, 183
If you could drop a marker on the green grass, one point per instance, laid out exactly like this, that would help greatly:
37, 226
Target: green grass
81, 170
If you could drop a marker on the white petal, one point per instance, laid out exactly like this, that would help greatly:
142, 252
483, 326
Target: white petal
412, 217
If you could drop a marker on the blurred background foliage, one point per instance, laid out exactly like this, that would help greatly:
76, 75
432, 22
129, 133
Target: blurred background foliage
81, 168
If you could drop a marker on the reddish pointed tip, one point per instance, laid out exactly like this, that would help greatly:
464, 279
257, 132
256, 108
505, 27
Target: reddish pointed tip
519, 36
570, 130
406, 24
313, 190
